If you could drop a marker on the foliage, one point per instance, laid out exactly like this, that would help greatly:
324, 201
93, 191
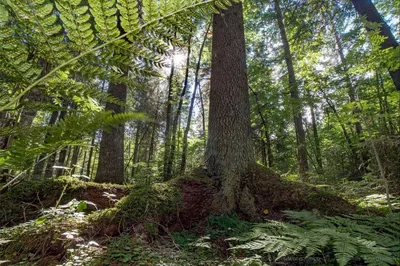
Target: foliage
59, 50
373, 239
226, 225
126, 250
32, 142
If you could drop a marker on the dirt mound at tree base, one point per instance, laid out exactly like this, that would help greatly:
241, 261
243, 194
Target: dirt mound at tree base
270, 193
27, 200
186, 201
273, 194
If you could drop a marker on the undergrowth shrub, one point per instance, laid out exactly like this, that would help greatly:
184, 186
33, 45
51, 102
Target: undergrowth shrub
374, 240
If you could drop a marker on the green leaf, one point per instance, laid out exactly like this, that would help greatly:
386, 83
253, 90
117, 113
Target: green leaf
3, 14
41, 220
81, 206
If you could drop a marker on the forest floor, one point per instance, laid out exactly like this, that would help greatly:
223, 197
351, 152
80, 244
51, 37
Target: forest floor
69, 222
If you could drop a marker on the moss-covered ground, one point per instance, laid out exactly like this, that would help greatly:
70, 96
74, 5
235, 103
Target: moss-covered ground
28, 199
170, 223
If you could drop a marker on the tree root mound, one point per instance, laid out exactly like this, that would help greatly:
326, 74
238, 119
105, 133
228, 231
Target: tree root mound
273, 194
188, 201
27, 200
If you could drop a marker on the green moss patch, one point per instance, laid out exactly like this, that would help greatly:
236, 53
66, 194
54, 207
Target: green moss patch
143, 206
27, 200
273, 195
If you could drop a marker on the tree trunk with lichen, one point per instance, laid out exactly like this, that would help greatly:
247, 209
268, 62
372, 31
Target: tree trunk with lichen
111, 159
229, 153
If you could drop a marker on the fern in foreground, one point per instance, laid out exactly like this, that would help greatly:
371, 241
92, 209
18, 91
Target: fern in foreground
375, 240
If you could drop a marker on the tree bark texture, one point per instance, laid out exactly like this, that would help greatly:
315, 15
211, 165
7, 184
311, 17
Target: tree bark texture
229, 152
111, 156
294, 92
367, 8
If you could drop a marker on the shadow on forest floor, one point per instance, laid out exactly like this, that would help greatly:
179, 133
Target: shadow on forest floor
172, 224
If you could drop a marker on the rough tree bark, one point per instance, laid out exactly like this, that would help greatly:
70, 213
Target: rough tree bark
229, 152
111, 158
294, 92
367, 8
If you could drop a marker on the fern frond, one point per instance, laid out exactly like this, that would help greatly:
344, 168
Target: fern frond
349, 237
29, 143
76, 19
39, 18
105, 15
14, 59
129, 16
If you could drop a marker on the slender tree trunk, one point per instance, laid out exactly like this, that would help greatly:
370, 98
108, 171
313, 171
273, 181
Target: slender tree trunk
111, 158
386, 106
265, 132
178, 111
153, 139
382, 120
28, 115
318, 156
263, 150
38, 171
74, 159
83, 163
294, 92
356, 158
229, 152
353, 98
168, 135
136, 149
63, 153
191, 107
203, 115
89, 164
367, 8
281, 148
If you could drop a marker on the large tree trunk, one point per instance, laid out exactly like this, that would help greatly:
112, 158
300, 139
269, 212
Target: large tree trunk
111, 159
367, 8
229, 152
294, 92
